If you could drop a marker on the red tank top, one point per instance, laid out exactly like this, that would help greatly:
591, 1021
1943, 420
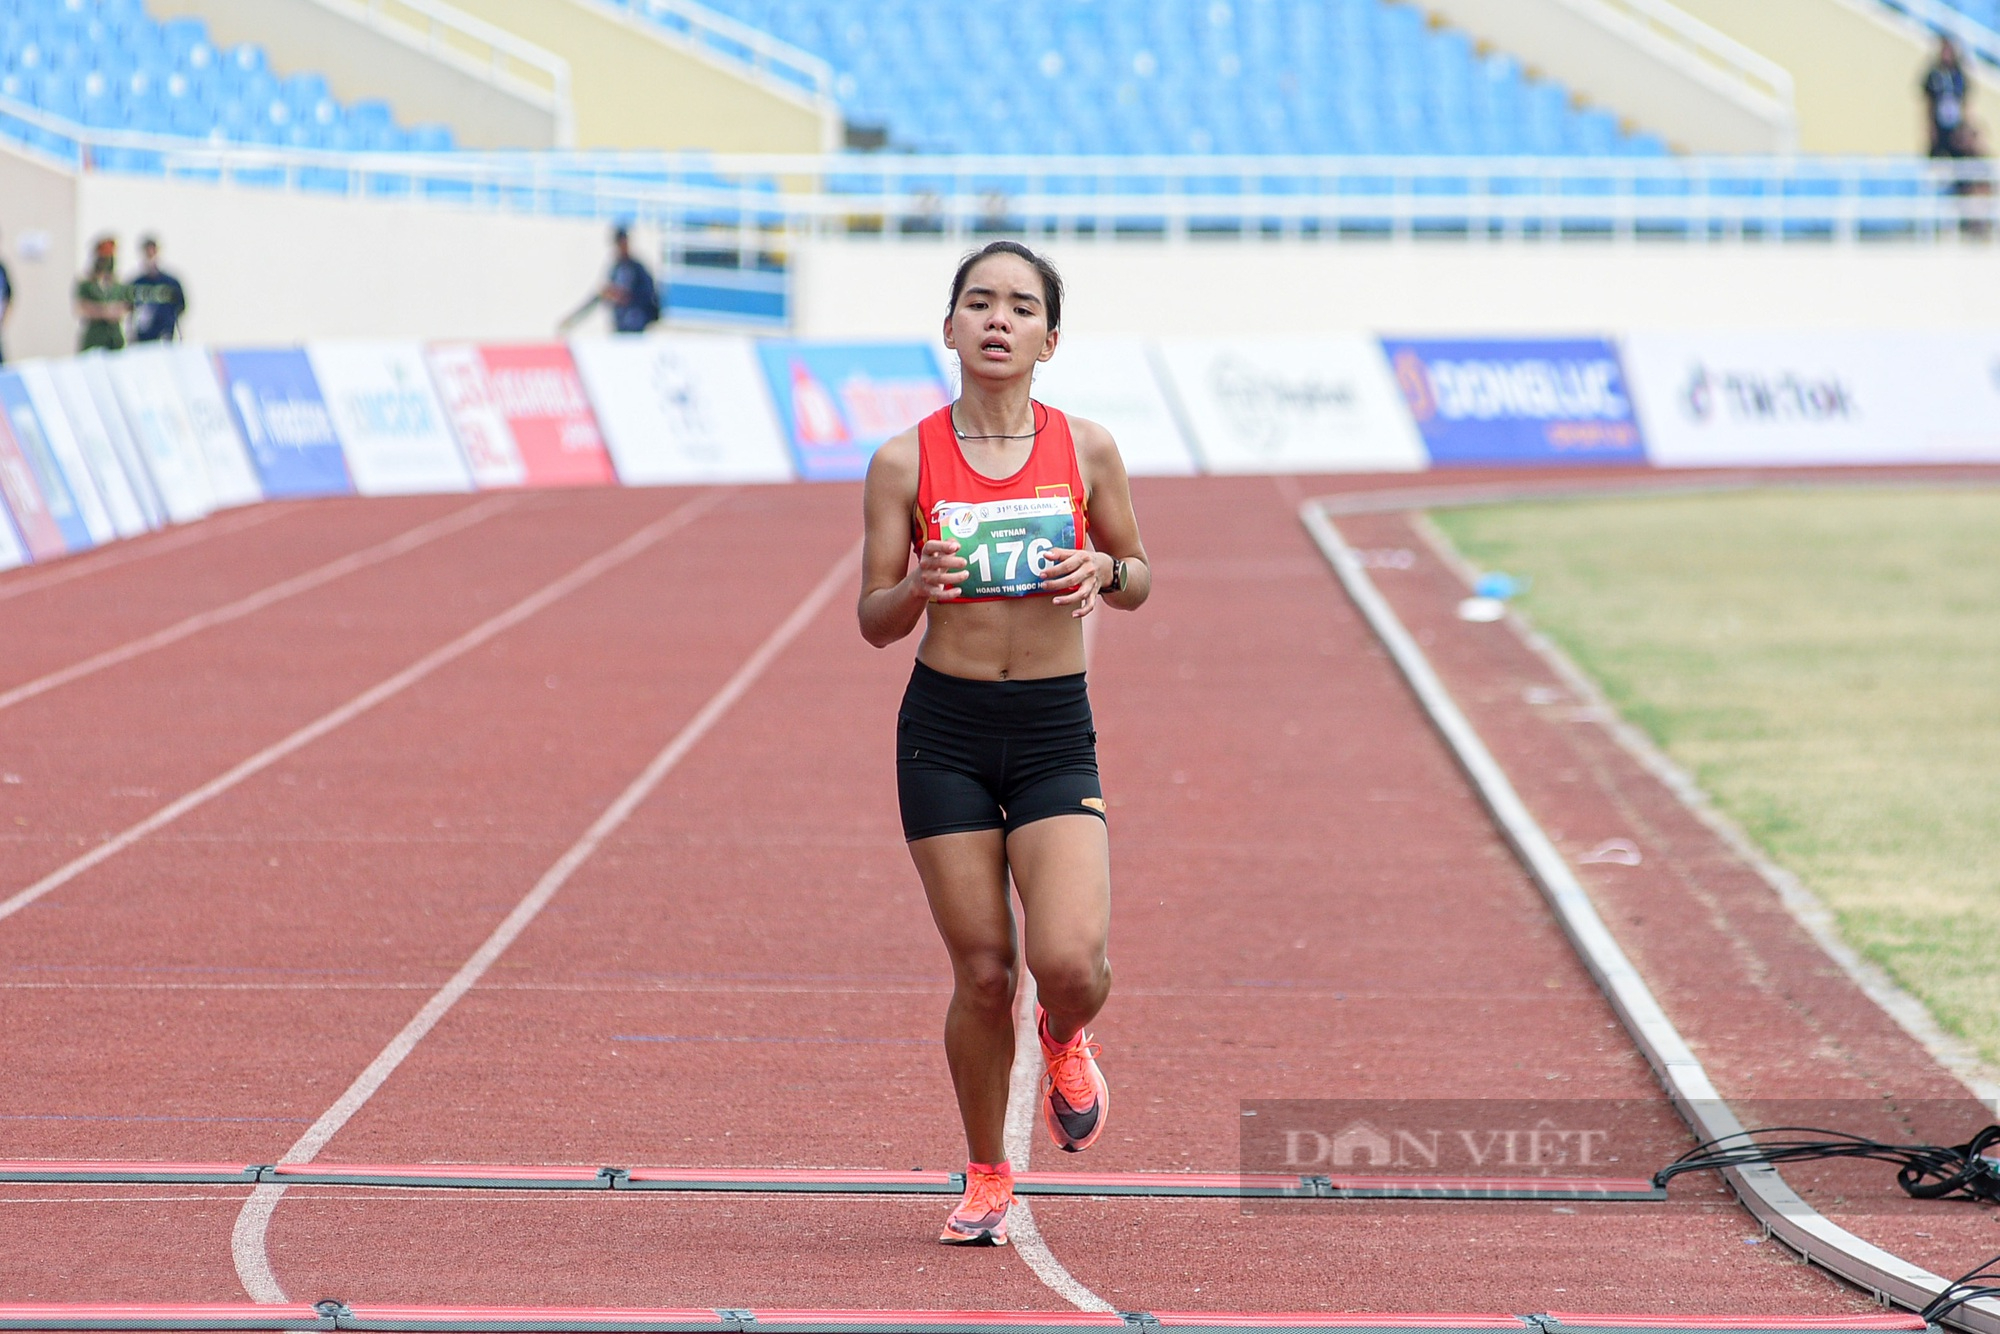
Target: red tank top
1002, 525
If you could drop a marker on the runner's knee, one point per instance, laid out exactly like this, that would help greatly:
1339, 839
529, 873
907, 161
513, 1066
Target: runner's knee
986, 980
1073, 980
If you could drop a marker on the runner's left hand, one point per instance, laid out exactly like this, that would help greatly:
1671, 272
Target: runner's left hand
1075, 577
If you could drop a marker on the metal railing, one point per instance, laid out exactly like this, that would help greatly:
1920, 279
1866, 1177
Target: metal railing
479, 48
1973, 37
761, 200
764, 56
1711, 49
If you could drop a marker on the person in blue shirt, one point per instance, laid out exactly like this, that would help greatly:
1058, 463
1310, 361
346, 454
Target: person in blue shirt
1944, 94
629, 290
158, 299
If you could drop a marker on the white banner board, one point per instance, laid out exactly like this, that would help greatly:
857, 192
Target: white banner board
683, 408
391, 425
1292, 405
86, 390
73, 424
53, 423
159, 422
1112, 382
230, 475
1800, 399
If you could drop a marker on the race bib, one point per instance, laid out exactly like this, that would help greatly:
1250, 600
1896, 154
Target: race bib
1005, 544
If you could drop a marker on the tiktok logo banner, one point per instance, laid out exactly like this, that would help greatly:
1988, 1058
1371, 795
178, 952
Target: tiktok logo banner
838, 402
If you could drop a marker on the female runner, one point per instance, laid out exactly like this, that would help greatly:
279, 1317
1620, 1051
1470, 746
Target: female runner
1021, 520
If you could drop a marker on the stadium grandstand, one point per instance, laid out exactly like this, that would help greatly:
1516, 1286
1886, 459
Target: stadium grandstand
735, 134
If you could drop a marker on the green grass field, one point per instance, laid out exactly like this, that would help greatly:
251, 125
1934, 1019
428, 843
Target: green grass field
1827, 665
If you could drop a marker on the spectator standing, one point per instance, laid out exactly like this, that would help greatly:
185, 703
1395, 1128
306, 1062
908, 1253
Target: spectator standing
1944, 92
102, 302
6, 305
629, 289
158, 299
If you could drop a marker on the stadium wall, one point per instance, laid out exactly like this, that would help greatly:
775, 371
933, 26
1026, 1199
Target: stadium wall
863, 289
42, 252
362, 59
270, 266
1698, 103
1855, 67
638, 87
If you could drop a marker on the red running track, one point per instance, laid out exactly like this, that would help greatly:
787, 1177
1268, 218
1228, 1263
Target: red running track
1310, 905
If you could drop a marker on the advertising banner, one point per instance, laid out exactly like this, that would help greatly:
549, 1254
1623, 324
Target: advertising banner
1112, 382
838, 402
1518, 401
230, 475
21, 493
1743, 399
683, 408
47, 444
12, 551
87, 393
521, 415
82, 433
278, 407
1292, 405
391, 426
158, 420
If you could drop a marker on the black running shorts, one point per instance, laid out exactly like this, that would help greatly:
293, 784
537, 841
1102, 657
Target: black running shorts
993, 754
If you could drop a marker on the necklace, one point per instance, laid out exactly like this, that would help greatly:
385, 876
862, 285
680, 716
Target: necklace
963, 436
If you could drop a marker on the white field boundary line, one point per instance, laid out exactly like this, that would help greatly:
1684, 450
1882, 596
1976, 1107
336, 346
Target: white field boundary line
247, 1238
1806, 907
386, 689
402, 543
35, 578
1763, 1191
1024, 1115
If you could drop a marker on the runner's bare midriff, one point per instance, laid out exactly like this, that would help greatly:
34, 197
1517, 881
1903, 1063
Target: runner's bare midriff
1011, 639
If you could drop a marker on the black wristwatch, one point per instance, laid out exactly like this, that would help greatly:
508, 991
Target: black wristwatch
1117, 584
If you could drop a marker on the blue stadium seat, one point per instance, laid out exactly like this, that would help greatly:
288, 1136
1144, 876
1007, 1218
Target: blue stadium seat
1178, 76
109, 65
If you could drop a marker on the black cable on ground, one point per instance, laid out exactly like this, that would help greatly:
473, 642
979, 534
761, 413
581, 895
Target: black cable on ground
1965, 1289
1924, 1171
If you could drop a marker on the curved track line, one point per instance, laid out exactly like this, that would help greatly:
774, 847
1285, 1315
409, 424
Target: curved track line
1763, 1191
1954, 1053
255, 602
247, 1238
366, 700
1024, 1096
138, 548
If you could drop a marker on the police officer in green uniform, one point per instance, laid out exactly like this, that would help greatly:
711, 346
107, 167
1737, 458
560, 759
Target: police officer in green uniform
102, 302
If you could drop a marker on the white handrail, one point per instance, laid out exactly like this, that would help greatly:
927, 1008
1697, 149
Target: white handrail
890, 196
766, 57
474, 46
1972, 35
1712, 47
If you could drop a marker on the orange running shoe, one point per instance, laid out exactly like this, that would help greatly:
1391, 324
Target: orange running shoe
981, 1217
1075, 1098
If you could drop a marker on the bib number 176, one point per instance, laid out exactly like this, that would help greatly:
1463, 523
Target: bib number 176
1005, 544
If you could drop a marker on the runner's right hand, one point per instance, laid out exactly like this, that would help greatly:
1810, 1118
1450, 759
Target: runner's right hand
940, 570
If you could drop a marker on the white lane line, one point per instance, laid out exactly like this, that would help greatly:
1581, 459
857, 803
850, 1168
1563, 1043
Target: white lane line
247, 1239
366, 700
1024, 1107
138, 548
255, 602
